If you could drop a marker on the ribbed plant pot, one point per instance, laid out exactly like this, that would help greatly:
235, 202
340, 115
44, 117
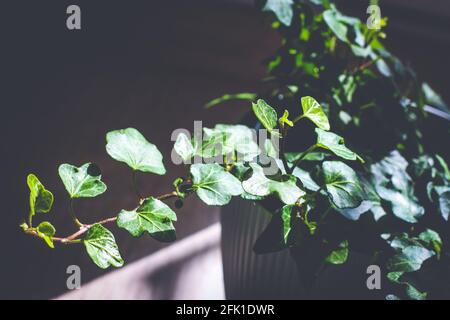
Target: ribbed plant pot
248, 275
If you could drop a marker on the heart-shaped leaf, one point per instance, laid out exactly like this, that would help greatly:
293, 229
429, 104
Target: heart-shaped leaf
131, 147
335, 143
46, 230
213, 184
41, 200
342, 183
82, 182
265, 114
102, 248
282, 9
153, 216
259, 185
314, 112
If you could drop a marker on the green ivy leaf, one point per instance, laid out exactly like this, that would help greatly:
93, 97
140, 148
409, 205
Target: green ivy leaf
228, 97
282, 9
432, 239
285, 119
265, 114
213, 184
411, 291
41, 200
102, 248
153, 216
335, 143
306, 179
339, 29
410, 259
444, 204
394, 185
314, 112
259, 185
131, 147
184, 147
235, 139
283, 231
342, 184
340, 255
82, 182
46, 230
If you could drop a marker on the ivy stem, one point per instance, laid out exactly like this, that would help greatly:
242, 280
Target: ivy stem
73, 215
298, 118
83, 228
302, 156
135, 185
283, 147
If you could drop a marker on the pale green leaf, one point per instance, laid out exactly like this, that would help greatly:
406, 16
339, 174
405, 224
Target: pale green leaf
213, 184
46, 230
82, 182
314, 112
282, 9
265, 114
285, 187
41, 200
184, 147
152, 216
131, 147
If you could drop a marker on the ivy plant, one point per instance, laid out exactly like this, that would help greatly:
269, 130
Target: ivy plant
213, 183
387, 178
378, 101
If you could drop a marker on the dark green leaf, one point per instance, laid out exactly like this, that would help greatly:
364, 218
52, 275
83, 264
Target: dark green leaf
342, 184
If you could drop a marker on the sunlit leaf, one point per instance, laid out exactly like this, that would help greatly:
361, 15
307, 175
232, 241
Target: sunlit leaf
102, 248
314, 112
213, 184
41, 200
131, 147
82, 182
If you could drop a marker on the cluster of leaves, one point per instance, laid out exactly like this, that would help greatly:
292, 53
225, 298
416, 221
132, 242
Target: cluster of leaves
372, 96
222, 175
319, 202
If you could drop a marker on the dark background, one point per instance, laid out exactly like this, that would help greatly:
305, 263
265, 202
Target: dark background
144, 64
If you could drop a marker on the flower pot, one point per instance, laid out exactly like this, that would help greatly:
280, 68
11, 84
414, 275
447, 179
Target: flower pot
248, 275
